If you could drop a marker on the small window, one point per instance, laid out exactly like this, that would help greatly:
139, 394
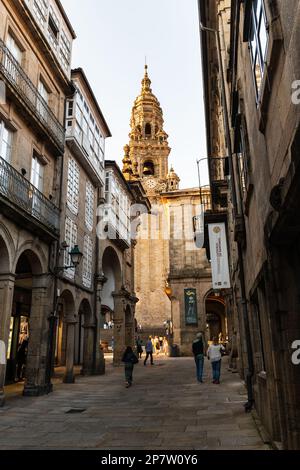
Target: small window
148, 130
6, 138
53, 25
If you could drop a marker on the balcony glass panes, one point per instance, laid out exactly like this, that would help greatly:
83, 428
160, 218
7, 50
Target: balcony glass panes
71, 239
117, 207
40, 9
258, 43
65, 50
87, 131
53, 28
89, 206
73, 186
87, 262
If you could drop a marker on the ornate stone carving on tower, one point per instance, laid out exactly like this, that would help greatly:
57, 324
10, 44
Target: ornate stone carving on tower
147, 156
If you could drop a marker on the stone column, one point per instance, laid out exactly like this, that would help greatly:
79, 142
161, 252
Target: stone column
88, 349
99, 361
69, 377
119, 327
7, 282
35, 381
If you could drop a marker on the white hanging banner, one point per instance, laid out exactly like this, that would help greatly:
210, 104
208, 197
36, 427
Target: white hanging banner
219, 256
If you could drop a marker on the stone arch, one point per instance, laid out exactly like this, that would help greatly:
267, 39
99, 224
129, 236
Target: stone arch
112, 270
67, 315
216, 320
35, 255
5, 260
149, 168
7, 252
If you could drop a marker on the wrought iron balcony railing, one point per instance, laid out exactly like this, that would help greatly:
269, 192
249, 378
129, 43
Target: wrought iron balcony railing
19, 80
21, 193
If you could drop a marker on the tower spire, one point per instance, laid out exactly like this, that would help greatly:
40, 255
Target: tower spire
146, 83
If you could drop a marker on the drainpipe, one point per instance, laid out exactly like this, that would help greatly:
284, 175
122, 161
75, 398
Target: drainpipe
248, 406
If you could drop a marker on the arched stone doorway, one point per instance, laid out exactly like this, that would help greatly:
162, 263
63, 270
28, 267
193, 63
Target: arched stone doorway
65, 336
216, 321
110, 300
28, 326
84, 338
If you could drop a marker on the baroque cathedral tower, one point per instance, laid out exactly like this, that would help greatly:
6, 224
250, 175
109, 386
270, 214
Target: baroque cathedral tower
146, 156
172, 276
146, 160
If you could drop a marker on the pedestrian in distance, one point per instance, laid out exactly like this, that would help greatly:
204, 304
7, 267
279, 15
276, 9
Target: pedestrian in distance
214, 354
129, 359
139, 347
198, 351
149, 351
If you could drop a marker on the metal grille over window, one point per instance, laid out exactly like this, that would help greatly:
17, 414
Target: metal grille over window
73, 186
87, 262
89, 206
71, 239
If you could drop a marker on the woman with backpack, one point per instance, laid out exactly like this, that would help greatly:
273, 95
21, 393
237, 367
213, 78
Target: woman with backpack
129, 359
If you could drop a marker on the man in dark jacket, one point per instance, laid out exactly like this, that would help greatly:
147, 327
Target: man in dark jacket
198, 351
129, 359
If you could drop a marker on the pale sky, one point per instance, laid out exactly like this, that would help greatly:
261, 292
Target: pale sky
113, 38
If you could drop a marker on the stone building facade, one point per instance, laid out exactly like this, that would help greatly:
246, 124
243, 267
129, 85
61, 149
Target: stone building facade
83, 179
261, 60
35, 70
52, 187
117, 298
167, 262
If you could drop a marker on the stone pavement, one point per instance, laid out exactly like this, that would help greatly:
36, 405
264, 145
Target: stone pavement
165, 409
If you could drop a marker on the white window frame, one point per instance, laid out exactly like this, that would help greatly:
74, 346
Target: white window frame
9, 145
37, 172
71, 233
89, 205
73, 186
14, 48
87, 271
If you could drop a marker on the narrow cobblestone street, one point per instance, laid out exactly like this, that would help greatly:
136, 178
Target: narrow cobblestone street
165, 409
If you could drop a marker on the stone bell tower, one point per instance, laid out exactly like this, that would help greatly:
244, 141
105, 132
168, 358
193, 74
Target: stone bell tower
146, 159
146, 156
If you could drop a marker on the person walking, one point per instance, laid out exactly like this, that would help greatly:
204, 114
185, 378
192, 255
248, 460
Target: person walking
21, 359
149, 351
214, 354
129, 359
198, 351
139, 347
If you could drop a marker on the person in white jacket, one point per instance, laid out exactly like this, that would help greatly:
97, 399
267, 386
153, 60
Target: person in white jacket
214, 354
